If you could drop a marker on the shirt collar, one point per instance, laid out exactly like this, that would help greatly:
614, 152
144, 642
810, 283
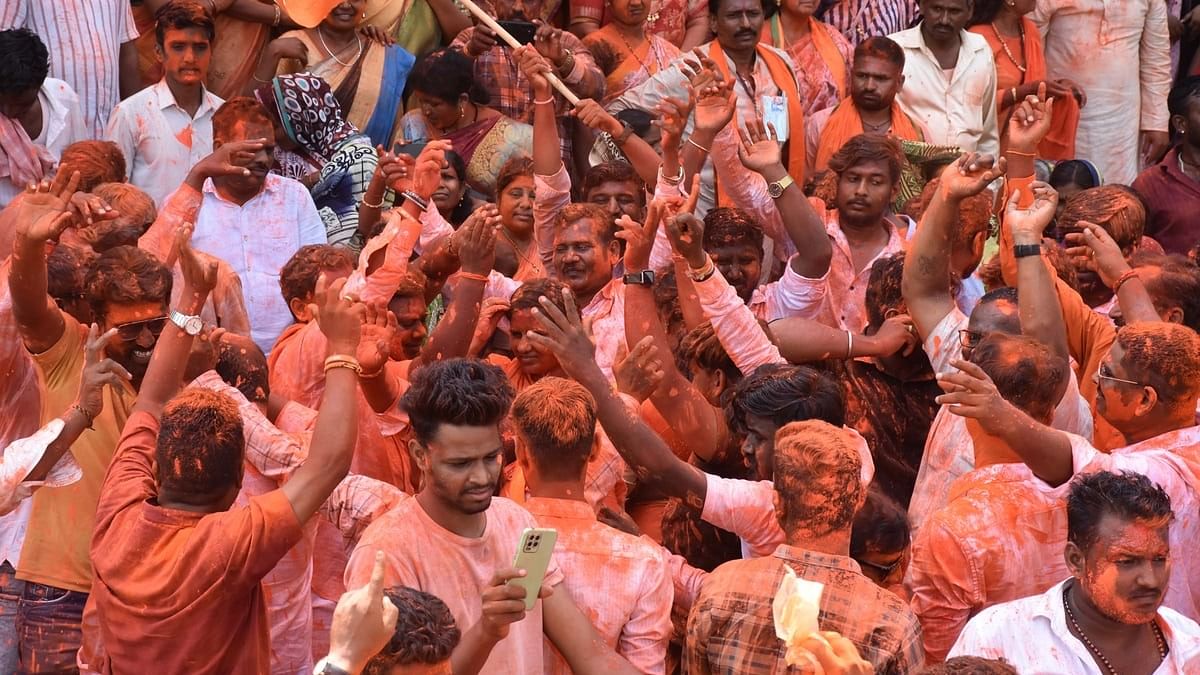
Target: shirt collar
270, 184
1049, 606
914, 39
802, 556
560, 508
165, 99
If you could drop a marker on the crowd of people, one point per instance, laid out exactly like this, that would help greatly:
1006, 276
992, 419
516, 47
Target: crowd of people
658, 336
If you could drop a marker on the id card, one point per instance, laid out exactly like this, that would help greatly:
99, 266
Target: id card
775, 114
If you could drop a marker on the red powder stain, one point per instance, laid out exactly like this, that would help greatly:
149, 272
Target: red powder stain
185, 136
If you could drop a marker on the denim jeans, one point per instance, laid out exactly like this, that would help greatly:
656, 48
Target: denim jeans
49, 628
10, 595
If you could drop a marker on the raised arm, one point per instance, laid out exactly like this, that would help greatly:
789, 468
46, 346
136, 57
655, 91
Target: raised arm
1037, 302
642, 157
676, 398
927, 273
332, 447
971, 393
1096, 248
807, 340
41, 219
638, 445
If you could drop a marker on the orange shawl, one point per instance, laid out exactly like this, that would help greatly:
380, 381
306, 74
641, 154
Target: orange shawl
1059, 142
786, 81
824, 45
845, 123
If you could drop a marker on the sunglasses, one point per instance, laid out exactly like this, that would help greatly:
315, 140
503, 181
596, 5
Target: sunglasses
1103, 373
133, 330
884, 571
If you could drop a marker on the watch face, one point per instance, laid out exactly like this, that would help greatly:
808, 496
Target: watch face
774, 190
192, 325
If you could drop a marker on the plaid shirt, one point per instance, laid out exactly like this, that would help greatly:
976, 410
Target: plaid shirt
512, 94
731, 629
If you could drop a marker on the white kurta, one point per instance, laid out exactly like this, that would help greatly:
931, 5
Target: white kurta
1109, 47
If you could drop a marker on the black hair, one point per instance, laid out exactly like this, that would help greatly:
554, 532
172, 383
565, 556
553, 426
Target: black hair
1079, 172
786, 393
729, 226
126, 275
24, 61
181, 15
465, 392
242, 365
880, 525
1177, 283
1187, 89
880, 47
769, 7
425, 633
985, 11
200, 446
447, 74
1026, 372
883, 288
1127, 495
970, 665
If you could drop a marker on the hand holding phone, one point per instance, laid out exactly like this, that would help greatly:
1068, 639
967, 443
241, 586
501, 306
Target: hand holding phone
533, 556
522, 31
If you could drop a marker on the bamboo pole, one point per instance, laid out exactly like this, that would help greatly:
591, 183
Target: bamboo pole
512, 42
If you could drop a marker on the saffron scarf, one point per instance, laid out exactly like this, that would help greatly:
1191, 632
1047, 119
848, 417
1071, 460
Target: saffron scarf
845, 123
824, 45
786, 81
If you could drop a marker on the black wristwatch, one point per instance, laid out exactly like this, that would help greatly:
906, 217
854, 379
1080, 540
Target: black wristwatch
643, 278
1026, 250
626, 132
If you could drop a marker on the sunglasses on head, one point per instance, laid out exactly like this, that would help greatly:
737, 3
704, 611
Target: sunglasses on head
133, 330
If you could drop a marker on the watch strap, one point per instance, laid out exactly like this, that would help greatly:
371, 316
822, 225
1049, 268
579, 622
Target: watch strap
776, 189
1026, 250
642, 278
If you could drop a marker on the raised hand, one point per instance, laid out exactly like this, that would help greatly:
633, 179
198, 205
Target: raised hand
363, 622
288, 48
1028, 224
395, 170
481, 42
477, 246
231, 159
970, 175
88, 209
1030, 121
896, 336
686, 233
1096, 250
638, 238
673, 114
595, 117
98, 372
549, 43
427, 173
535, 67
971, 393
44, 210
339, 316
760, 151
199, 271
378, 329
639, 372
565, 335
715, 106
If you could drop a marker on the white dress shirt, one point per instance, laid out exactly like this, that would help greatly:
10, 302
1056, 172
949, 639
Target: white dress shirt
1032, 635
62, 125
960, 110
257, 239
160, 140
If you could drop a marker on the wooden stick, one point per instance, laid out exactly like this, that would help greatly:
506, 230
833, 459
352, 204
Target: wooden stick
512, 42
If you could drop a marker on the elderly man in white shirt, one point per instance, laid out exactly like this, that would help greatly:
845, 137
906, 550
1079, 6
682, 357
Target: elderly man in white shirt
257, 220
39, 115
1107, 617
949, 78
165, 129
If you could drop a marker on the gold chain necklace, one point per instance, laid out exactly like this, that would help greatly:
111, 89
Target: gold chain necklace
1004, 45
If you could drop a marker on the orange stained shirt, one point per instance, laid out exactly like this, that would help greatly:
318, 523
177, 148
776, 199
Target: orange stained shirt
620, 582
180, 591
999, 538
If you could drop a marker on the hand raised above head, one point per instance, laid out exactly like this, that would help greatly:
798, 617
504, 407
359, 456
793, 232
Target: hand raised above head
339, 316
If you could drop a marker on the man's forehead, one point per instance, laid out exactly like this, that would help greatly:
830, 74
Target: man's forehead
583, 229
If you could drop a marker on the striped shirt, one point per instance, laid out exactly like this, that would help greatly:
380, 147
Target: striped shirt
861, 19
84, 38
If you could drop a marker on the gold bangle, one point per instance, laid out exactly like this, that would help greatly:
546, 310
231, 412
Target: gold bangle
342, 361
372, 376
699, 147
86, 415
278, 15
1019, 154
369, 205
472, 276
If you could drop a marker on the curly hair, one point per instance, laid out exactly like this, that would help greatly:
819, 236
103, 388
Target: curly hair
613, 172
557, 420
786, 393
126, 275
1116, 208
464, 392
181, 15
425, 634
728, 226
25, 63
1165, 356
298, 276
1127, 495
817, 476
865, 148
67, 269
200, 446
242, 365
1025, 371
96, 161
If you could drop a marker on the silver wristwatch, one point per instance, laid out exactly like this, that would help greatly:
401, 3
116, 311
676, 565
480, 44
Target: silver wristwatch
187, 323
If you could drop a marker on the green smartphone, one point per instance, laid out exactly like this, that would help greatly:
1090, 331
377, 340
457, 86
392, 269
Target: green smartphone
533, 556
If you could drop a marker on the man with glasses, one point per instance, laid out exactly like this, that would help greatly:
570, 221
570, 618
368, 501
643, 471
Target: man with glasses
1001, 534
128, 290
1148, 386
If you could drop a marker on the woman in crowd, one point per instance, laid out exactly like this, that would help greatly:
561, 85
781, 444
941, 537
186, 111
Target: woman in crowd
1021, 69
451, 105
309, 123
453, 196
821, 54
367, 76
625, 51
683, 23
